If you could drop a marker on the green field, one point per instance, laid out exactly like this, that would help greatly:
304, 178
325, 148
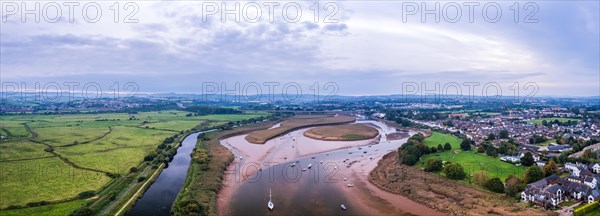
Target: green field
562, 120
53, 158
47, 210
48, 179
471, 160
440, 138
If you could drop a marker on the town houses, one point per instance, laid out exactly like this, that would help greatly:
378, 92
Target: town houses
580, 186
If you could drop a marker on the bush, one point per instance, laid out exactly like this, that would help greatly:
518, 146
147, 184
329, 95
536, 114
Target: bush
83, 211
86, 194
585, 209
440, 147
189, 207
149, 158
495, 185
513, 186
34, 204
433, 165
141, 179
480, 149
480, 178
447, 147
454, 171
133, 169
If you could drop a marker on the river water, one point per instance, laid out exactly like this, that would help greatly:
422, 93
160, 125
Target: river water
299, 190
159, 198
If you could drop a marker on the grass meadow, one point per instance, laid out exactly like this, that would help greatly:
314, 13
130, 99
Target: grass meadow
471, 161
53, 158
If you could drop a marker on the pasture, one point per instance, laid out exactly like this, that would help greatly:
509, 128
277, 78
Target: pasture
471, 161
53, 158
561, 120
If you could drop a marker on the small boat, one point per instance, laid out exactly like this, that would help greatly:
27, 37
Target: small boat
343, 207
270, 205
345, 179
241, 157
260, 169
350, 185
285, 157
309, 166
320, 161
303, 169
293, 164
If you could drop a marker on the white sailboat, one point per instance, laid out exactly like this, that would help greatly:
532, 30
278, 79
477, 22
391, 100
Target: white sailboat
270, 205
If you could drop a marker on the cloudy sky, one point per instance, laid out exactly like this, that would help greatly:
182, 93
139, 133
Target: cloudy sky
366, 48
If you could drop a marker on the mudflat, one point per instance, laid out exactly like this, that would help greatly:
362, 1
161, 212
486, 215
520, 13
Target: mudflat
261, 137
342, 132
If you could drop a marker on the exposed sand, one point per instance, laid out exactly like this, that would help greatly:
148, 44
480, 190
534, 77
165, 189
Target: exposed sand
295, 145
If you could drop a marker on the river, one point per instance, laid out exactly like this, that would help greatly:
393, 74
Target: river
337, 176
159, 198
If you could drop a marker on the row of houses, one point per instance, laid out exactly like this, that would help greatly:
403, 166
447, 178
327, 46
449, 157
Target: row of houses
582, 185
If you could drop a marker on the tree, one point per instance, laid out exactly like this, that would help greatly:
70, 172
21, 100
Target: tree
433, 149
447, 146
533, 174
513, 185
410, 159
491, 151
588, 154
480, 177
495, 185
133, 169
491, 136
466, 144
527, 159
503, 134
440, 148
480, 149
550, 168
433, 165
454, 171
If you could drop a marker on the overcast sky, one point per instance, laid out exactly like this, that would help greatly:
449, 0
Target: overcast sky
175, 46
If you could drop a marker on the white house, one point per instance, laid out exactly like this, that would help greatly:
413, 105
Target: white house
596, 168
594, 196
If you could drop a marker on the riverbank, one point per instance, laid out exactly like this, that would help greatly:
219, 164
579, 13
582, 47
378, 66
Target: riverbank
442, 194
198, 195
